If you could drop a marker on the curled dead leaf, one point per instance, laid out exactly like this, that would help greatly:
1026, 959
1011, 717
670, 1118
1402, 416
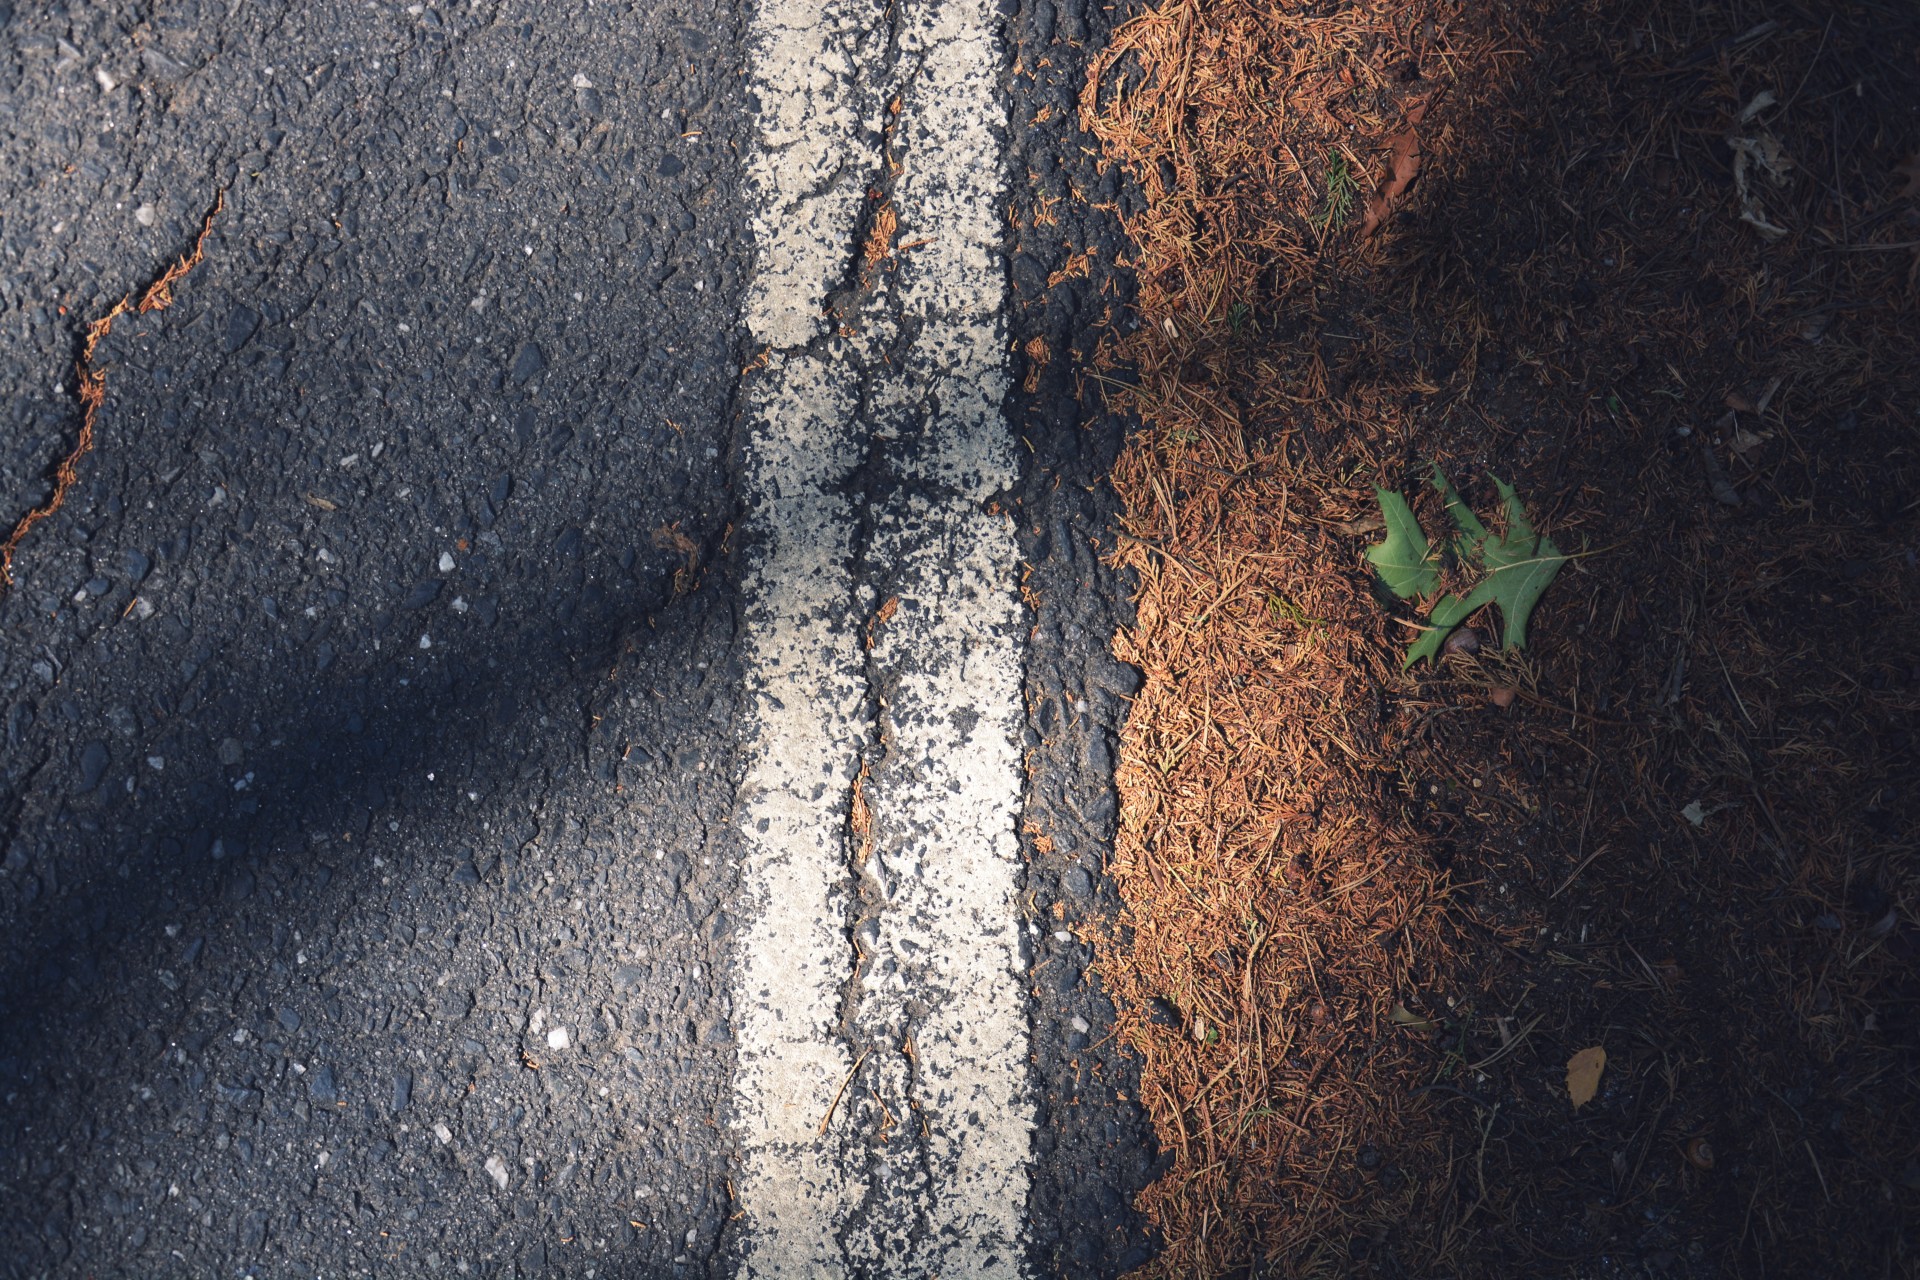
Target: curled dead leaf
1364, 525
1910, 170
669, 538
1405, 1017
1403, 166
1583, 1075
1761, 101
1760, 155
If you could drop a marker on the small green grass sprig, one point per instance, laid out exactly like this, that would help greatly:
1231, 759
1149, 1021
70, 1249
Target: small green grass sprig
1341, 192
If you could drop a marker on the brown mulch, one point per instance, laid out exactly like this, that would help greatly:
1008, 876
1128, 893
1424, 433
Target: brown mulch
1371, 914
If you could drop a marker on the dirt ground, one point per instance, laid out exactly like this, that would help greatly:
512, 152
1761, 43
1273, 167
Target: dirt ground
1655, 265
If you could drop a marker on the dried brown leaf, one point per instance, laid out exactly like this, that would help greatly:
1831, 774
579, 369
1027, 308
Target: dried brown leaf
1583, 1075
1910, 170
669, 538
1403, 166
1405, 1017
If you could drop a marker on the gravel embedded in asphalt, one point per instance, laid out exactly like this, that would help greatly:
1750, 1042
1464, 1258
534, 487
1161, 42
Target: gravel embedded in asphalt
365, 697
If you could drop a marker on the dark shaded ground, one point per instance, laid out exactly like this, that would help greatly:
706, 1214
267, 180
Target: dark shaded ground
1379, 911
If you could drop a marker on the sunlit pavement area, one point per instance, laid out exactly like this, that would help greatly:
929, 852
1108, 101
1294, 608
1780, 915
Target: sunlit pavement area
378, 729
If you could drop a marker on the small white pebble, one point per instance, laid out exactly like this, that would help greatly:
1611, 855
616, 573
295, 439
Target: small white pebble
443, 1133
146, 215
558, 1038
426, 642
446, 562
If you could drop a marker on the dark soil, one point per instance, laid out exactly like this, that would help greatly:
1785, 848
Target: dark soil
1680, 824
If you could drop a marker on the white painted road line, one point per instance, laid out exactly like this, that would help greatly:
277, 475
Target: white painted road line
881, 1095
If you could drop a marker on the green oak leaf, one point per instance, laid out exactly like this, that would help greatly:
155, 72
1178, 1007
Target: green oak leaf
1468, 523
1518, 565
1404, 561
1448, 612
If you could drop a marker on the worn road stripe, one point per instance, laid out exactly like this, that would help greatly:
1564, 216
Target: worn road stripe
881, 1097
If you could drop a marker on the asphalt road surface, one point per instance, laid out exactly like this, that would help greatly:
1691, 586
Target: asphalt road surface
566, 725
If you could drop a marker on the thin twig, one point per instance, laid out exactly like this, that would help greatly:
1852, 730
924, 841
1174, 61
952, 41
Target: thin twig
842, 1090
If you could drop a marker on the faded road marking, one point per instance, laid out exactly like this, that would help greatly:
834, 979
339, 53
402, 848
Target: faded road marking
880, 975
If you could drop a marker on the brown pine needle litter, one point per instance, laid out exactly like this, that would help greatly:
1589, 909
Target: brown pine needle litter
92, 386
1370, 917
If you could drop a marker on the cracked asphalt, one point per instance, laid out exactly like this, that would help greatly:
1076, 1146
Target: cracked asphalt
381, 707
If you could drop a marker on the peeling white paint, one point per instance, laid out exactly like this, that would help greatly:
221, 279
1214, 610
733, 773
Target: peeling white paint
921, 1171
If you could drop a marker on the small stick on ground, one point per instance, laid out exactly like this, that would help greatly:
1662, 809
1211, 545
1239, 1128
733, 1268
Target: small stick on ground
841, 1092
